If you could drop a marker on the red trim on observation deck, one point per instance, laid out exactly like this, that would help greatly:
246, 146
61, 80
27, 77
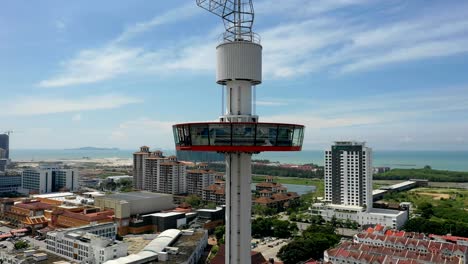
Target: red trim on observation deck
235, 123
244, 149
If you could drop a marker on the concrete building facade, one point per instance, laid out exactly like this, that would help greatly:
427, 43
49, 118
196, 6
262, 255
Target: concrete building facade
348, 174
348, 188
10, 183
139, 167
128, 206
199, 179
47, 179
92, 245
5, 145
155, 173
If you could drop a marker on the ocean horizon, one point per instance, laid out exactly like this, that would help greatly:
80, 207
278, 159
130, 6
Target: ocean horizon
442, 160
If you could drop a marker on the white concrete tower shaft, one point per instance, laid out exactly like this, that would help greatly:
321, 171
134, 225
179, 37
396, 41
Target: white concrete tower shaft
238, 69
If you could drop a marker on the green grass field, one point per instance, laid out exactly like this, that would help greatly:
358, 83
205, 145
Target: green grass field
448, 203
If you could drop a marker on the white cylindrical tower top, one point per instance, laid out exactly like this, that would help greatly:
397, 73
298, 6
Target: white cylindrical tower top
239, 60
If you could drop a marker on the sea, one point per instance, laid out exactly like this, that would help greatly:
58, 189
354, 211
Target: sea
442, 160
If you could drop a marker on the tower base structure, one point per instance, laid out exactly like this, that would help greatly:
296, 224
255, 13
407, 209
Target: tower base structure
238, 207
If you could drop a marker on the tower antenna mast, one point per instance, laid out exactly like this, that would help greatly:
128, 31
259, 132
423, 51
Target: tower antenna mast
237, 15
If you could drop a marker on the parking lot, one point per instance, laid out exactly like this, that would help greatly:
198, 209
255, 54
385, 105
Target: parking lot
32, 241
270, 247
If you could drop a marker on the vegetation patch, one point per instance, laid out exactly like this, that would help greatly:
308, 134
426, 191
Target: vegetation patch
426, 173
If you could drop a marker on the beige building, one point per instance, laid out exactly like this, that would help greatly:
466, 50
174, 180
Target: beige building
128, 205
215, 193
139, 167
199, 179
156, 173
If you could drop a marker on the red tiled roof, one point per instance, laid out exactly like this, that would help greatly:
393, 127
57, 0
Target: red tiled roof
34, 205
379, 228
89, 217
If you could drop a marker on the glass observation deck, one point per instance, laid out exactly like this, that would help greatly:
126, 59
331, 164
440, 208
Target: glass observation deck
238, 137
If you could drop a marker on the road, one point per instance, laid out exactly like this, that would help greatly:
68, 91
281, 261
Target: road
32, 241
270, 252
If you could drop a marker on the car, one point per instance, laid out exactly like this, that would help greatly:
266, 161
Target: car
270, 245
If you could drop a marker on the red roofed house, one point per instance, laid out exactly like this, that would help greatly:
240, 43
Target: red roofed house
274, 195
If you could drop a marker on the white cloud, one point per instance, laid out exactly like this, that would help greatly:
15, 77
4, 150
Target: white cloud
271, 103
298, 46
303, 7
174, 15
144, 131
113, 59
76, 117
60, 25
93, 65
28, 106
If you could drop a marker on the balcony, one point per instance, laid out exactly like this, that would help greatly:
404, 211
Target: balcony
238, 137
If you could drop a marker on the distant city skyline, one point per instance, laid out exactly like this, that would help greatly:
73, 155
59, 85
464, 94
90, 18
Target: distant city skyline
391, 73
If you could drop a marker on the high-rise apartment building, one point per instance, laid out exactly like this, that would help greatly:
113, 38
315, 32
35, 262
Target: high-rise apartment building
5, 145
139, 167
47, 179
199, 179
348, 174
164, 175
348, 188
156, 173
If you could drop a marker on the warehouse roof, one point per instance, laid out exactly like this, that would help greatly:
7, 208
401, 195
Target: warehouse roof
134, 196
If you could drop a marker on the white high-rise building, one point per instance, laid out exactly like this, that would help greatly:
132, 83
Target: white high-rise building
348, 188
47, 179
348, 174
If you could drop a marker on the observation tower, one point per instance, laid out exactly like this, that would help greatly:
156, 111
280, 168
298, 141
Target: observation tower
238, 134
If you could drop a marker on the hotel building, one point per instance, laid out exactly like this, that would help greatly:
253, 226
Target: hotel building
47, 179
348, 188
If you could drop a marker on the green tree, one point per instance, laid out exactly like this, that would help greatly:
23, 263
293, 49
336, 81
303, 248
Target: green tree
21, 244
426, 209
259, 209
194, 201
334, 221
317, 219
219, 232
314, 241
210, 205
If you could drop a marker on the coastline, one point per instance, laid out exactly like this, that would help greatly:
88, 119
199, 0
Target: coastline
441, 160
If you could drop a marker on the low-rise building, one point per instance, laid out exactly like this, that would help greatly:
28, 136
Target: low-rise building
129, 206
171, 246
12, 256
92, 244
19, 211
274, 195
383, 245
372, 216
215, 193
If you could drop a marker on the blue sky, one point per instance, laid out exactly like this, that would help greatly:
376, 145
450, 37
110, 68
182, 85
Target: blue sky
120, 73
